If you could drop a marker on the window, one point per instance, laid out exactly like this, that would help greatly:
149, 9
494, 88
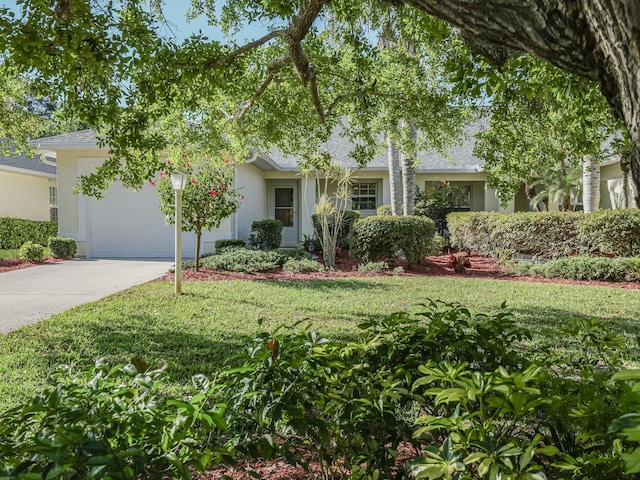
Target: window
462, 198
53, 204
364, 196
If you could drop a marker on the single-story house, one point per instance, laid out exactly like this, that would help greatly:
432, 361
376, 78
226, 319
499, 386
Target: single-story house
28, 188
125, 223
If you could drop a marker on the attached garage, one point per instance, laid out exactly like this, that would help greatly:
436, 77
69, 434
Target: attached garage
125, 223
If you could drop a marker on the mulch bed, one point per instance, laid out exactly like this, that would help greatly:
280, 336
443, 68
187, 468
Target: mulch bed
15, 264
481, 267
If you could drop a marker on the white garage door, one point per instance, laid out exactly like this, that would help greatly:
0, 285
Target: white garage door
125, 223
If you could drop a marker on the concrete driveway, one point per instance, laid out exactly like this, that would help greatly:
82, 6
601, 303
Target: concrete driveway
35, 293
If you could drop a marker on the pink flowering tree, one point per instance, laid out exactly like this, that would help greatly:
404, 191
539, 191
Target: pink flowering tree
208, 198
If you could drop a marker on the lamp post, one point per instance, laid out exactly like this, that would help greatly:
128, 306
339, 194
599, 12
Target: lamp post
178, 182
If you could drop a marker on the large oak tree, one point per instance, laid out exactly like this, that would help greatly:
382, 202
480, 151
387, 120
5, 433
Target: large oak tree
110, 61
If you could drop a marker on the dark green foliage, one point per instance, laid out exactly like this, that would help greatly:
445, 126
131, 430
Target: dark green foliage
351, 401
437, 202
349, 218
105, 422
31, 252
14, 232
62, 247
382, 238
593, 268
614, 231
266, 234
229, 242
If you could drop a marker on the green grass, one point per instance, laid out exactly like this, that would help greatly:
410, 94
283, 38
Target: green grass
200, 330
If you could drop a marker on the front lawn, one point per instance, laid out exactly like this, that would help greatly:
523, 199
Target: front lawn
199, 331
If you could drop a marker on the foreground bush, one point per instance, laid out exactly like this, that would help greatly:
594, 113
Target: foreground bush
105, 422
382, 238
14, 232
62, 247
444, 382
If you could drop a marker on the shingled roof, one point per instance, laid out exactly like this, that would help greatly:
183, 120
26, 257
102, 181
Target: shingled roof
28, 164
459, 158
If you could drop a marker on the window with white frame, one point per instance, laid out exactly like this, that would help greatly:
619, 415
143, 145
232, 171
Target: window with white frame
53, 204
364, 195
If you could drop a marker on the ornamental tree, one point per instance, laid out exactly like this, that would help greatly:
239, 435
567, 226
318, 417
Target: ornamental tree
208, 198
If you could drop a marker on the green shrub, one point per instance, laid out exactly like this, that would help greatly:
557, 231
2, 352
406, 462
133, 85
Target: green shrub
266, 234
62, 247
32, 252
244, 260
373, 267
542, 234
349, 217
384, 211
593, 268
615, 232
14, 232
105, 422
438, 245
381, 238
302, 265
547, 234
228, 243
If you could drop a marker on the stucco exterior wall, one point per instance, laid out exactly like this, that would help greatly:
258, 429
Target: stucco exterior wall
250, 182
25, 195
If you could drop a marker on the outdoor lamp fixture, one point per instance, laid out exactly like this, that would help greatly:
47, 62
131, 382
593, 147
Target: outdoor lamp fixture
178, 182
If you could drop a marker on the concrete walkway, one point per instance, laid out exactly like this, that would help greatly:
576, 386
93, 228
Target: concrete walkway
35, 293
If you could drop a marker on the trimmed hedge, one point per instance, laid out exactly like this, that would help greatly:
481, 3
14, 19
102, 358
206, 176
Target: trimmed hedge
349, 218
614, 231
548, 234
381, 238
543, 234
62, 247
14, 232
266, 234
32, 252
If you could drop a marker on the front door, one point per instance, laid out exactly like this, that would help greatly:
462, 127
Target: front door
284, 207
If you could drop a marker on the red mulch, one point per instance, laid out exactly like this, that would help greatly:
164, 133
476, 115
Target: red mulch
481, 267
14, 264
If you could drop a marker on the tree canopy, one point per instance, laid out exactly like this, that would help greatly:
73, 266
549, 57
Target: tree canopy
116, 67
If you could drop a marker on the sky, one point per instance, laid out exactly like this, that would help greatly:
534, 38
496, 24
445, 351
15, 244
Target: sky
175, 12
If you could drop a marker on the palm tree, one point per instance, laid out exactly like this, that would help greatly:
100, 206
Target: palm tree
557, 185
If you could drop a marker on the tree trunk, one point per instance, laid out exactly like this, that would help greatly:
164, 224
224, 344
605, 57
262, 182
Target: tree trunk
197, 256
597, 39
409, 179
624, 166
394, 177
590, 184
